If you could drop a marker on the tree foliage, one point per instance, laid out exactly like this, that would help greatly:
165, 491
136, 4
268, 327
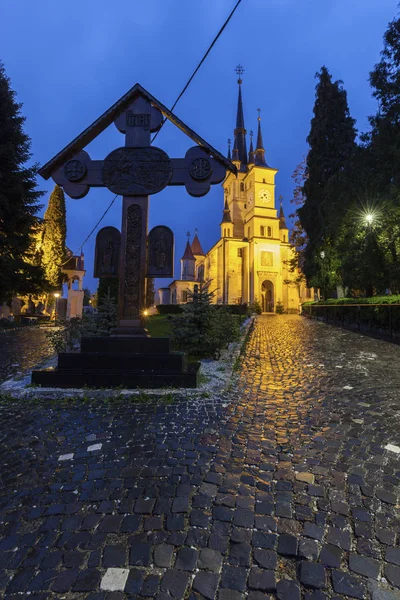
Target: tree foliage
54, 236
18, 200
150, 293
331, 147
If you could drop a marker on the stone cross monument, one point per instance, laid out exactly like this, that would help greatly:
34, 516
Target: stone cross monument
135, 171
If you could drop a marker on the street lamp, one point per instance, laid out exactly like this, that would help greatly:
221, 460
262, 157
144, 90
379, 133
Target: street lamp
369, 217
56, 296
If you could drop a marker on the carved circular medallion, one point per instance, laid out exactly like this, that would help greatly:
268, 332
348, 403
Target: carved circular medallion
137, 171
200, 168
75, 170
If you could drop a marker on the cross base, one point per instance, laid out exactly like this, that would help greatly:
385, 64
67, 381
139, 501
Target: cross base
130, 328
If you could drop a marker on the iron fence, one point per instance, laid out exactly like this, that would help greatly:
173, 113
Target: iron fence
376, 319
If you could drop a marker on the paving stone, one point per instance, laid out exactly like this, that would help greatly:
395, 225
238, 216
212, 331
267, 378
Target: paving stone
65, 580
313, 531
175, 583
287, 589
114, 556
392, 574
140, 554
262, 579
229, 595
331, 556
186, 559
267, 559
239, 554
114, 579
287, 545
163, 554
340, 538
210, 560
87, 580
348, 585
312, 575
234, 578
150, 586
393, 555
264, 540
308, 549
206, 584
364, 565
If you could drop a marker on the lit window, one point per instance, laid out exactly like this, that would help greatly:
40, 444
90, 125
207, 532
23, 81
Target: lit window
269, 232
184, 296
242, 187
262, 230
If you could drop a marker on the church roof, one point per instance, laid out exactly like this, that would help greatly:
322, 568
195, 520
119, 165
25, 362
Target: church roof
100, 124
226, 215
188, 254
196, 246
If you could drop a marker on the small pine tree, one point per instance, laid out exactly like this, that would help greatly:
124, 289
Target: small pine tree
54, 235
150, 293
18, 200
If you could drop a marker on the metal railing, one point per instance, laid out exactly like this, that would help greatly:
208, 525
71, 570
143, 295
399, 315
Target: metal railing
378, 319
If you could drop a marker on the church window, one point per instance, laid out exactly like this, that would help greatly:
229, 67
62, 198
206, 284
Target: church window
263, 180
242, 186
248, 233
224, 231
184, 296
240, 252
245, 205
308, 293
284, 238
262, 230
269, 232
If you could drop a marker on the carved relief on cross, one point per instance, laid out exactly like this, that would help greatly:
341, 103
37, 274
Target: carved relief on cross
136, 171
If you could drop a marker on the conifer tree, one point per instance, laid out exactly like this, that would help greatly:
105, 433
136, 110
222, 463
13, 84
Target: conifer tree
18, 200
332, 144
150, 292
54, 235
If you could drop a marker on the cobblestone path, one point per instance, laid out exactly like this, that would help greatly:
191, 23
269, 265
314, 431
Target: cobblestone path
282, 488
21, 350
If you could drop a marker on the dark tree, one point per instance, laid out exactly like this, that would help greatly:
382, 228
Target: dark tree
332, 144
18, 200
54, 236
107, 288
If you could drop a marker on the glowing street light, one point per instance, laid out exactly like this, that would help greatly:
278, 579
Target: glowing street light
369, 217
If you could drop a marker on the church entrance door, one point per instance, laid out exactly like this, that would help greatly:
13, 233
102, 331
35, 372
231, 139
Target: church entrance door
267, 296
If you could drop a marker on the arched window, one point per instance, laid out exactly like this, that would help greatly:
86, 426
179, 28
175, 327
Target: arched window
262, 230
269, 230
284, 238
242, 186
224, 231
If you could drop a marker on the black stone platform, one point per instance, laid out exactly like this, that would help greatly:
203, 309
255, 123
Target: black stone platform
129, 362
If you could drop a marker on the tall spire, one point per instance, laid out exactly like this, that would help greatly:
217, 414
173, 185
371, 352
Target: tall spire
282, 221
260, 152
240, 131
251, 152
229, 149
196, 246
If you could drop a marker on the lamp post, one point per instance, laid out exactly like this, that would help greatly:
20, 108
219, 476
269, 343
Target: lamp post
56, 296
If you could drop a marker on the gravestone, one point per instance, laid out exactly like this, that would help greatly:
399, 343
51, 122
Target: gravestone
135, 171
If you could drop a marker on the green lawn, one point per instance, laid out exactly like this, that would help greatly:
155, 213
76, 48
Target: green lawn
158, 326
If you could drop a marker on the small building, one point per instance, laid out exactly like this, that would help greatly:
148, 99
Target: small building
74, 271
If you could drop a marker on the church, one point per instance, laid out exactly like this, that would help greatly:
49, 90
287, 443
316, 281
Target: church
250, 261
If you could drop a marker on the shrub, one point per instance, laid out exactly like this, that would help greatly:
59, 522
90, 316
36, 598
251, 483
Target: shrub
255, 308
279, 309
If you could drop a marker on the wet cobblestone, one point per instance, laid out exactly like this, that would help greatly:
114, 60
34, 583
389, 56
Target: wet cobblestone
282, 487
21, 350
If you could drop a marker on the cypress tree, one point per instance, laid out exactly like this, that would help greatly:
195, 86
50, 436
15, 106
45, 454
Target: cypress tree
332, 144
18, 200
54, 234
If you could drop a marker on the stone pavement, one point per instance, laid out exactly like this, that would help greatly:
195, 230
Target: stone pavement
22, 349
285, 487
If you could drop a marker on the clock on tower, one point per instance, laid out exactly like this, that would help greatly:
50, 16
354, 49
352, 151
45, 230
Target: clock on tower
265, 196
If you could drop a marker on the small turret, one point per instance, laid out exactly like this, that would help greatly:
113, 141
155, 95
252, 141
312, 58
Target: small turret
188, 262
226, 223
251, 152
283, 230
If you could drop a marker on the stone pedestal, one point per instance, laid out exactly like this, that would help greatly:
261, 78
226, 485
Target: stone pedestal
120, 361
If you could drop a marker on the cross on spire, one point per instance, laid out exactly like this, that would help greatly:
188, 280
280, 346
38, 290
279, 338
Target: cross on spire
188, 235
239, 71
259, 114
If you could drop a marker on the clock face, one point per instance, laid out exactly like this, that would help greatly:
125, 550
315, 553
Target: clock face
265, 196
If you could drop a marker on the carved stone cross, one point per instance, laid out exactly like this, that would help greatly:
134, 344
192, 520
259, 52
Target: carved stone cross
135, 171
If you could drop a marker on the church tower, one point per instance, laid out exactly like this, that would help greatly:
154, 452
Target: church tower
188, 262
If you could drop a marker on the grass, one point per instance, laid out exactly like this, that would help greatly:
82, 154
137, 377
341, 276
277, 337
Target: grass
158, 326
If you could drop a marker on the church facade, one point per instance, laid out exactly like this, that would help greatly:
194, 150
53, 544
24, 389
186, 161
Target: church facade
250, 261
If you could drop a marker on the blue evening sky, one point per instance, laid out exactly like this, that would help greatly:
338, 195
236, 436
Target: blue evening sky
68, 62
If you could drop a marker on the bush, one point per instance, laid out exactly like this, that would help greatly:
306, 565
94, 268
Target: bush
169, 309
279, 309
255, 308
203, 329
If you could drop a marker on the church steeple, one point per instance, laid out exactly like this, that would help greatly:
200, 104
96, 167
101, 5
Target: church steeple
187, 262
240, 131
282, 221
260, 152
251, 152
226, 223
229, 149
